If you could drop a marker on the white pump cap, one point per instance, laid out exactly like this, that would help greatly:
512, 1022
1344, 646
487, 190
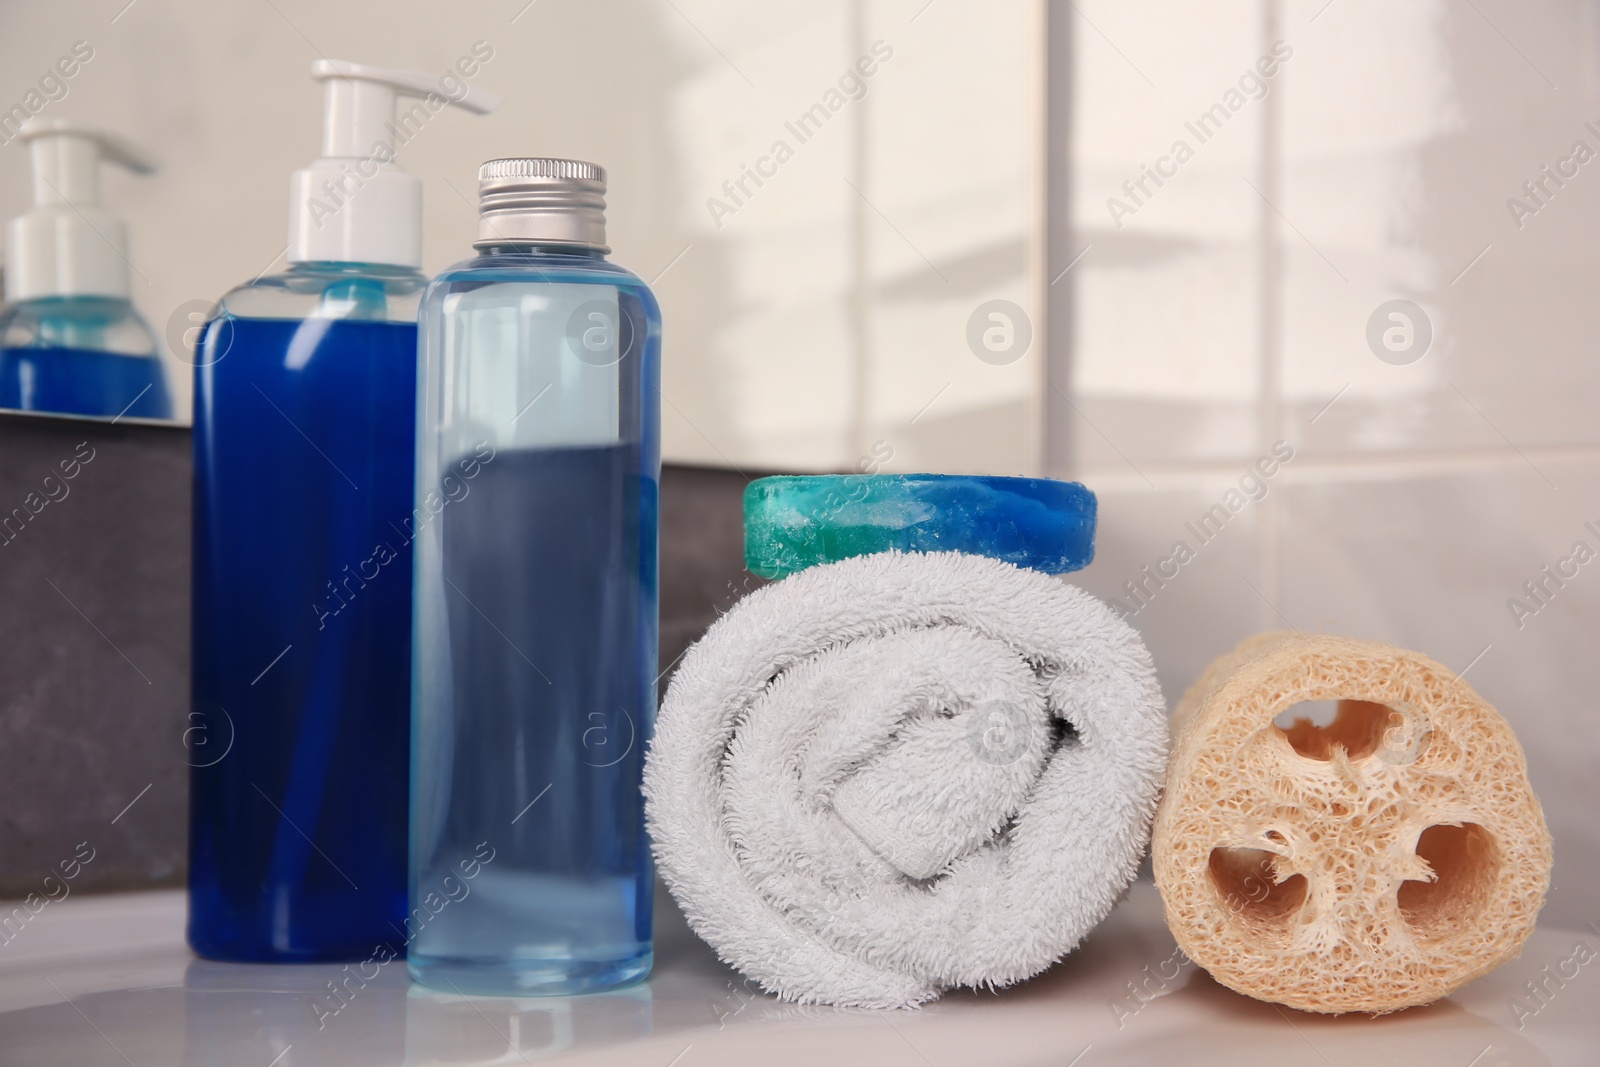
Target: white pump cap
355, 204
68, 245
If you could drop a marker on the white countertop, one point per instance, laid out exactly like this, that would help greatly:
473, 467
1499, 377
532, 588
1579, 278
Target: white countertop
108, 980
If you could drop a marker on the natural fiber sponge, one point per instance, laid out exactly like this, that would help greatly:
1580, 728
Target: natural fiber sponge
1376, 863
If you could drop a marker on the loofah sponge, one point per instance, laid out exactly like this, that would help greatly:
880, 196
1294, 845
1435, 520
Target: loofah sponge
1376, 863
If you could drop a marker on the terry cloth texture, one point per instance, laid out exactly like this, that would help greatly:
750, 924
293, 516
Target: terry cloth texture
894, 774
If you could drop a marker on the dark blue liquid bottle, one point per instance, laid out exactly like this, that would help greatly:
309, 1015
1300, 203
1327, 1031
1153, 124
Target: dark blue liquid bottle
80, 355
303, 439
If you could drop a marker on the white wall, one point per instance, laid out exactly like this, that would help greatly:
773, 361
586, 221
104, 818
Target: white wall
1231, 310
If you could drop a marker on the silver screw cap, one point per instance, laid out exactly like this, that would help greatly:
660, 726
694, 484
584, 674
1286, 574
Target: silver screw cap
530, 200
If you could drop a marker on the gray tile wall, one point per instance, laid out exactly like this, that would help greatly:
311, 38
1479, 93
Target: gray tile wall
94, 652
94, 640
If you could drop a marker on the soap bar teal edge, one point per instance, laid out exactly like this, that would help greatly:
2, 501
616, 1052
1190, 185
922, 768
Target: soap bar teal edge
1081, 502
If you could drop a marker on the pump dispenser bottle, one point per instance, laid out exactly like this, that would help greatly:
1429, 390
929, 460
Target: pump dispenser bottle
304, 429
538, 457
70, 340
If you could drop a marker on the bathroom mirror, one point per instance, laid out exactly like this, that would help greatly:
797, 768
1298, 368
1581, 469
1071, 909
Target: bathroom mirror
834, 200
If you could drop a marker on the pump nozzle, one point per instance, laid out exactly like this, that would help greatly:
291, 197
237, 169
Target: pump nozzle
68, 245
355, 205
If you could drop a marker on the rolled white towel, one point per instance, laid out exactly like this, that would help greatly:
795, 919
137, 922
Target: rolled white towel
894, 774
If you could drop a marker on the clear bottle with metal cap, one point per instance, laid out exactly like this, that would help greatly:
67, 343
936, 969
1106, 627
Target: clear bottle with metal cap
534, 632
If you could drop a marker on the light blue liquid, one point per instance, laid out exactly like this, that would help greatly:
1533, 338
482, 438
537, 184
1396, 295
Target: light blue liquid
535, 630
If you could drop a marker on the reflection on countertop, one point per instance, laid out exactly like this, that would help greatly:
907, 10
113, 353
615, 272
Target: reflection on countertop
108, 980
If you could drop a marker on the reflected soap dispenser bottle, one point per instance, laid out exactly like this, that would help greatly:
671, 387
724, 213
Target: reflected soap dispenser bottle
70, 341
304, 431
534, 664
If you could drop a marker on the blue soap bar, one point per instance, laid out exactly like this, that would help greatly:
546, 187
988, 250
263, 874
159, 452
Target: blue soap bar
794, 522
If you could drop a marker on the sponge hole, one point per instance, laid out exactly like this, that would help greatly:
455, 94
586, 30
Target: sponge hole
1316, 727
1465, 862
1244, 877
